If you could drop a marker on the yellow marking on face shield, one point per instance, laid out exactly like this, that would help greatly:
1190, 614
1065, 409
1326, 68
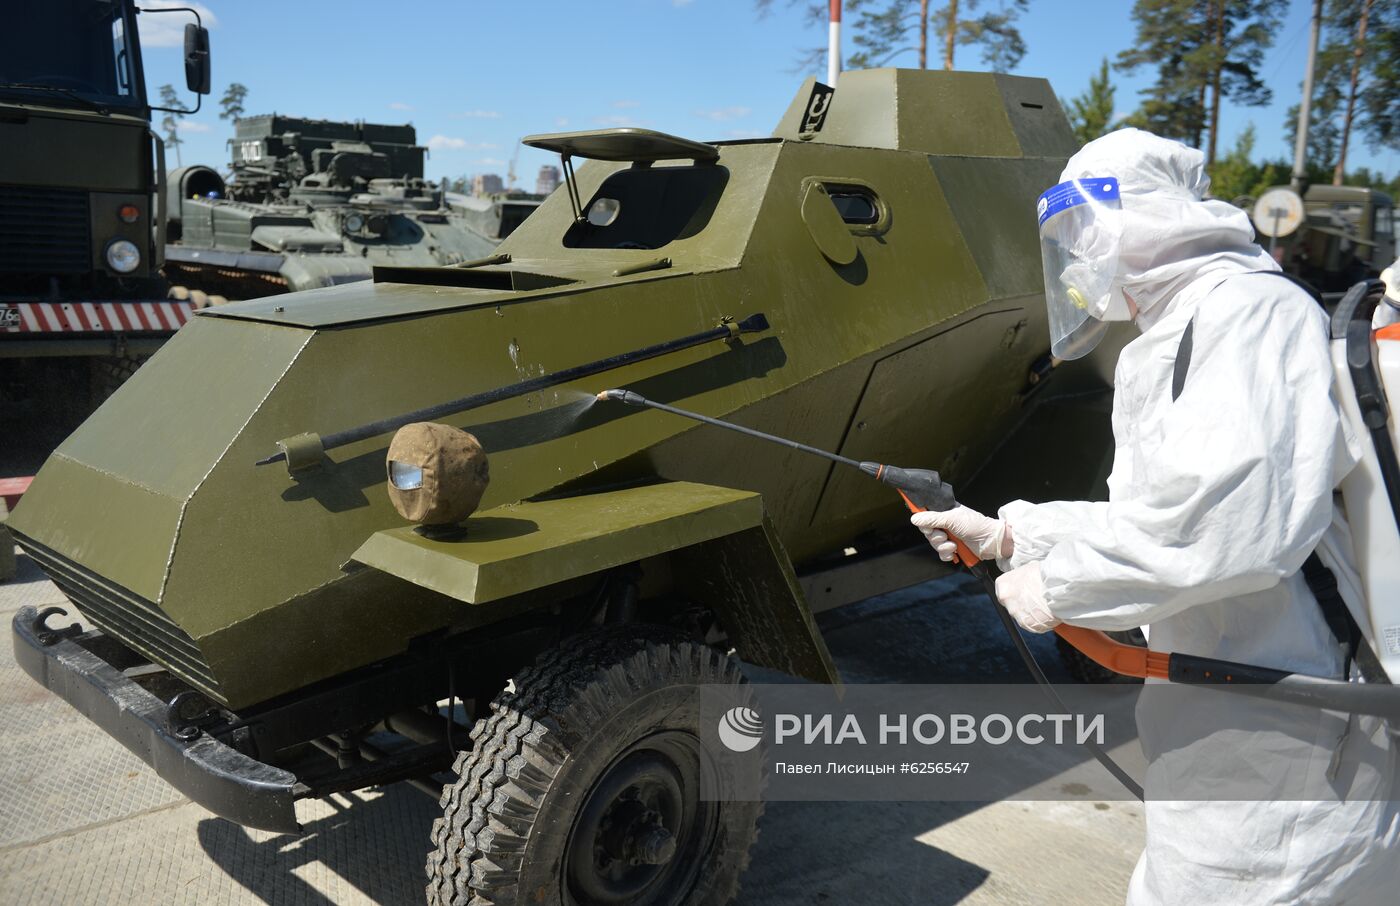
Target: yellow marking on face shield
1077, 298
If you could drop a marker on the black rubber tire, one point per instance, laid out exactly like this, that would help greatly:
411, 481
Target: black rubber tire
109, 372
1086, 671
508, 816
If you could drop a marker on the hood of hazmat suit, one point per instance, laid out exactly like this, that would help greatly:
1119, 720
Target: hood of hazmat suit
1216, 499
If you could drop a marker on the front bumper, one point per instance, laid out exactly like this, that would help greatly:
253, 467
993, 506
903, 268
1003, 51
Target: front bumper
218, 777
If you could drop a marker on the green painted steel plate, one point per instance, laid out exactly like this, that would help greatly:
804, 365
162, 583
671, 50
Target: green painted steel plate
623, 144
521, 547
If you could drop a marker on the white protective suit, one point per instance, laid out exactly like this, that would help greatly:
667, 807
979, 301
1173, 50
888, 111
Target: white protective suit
1215, 501
1388, 312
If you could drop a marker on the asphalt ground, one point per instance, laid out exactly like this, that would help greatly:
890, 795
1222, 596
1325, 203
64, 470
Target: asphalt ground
84, 821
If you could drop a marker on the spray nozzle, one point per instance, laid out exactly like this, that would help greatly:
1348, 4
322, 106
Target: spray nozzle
623, 396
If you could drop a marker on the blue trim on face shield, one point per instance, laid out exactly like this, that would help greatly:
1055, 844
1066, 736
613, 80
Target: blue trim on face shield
1066, 195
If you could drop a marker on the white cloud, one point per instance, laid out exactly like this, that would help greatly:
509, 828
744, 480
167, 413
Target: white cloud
168, 29
490, 162
185, 125
477, 114
561, 122
451, 143
624, 105
724, 114
400, 105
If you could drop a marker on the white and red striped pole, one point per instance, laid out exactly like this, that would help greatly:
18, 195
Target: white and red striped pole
833, 47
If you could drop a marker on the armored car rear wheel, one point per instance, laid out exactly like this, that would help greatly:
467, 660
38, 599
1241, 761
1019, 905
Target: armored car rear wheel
110, 372
583, 786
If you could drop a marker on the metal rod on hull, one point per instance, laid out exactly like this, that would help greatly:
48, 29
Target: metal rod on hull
751, 324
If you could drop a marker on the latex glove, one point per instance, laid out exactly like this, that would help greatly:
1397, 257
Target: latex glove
1022, 593
983, 535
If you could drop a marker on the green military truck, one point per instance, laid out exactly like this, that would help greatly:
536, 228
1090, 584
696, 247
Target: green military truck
286, 603
1331, 236
82, 299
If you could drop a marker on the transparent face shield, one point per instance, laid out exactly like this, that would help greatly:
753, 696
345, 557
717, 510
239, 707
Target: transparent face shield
1080, 227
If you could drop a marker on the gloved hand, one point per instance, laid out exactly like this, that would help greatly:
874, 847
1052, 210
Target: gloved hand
1022, 593
983, 535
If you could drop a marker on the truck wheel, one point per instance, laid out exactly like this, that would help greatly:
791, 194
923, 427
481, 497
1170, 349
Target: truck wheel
111, 371
582, 788
1086, 671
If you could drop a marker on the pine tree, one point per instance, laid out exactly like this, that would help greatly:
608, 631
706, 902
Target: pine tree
1378, 112
1205, 51
170, 99
1325, 114
1235, 176
232, 101
1091, 114
884, 29
1356, 83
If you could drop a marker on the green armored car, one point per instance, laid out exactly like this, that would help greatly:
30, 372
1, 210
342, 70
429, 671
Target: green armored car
298, 561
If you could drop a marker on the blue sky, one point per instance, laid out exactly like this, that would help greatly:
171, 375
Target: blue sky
475, 75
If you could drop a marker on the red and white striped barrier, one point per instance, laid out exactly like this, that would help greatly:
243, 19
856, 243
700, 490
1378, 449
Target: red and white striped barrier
164, 316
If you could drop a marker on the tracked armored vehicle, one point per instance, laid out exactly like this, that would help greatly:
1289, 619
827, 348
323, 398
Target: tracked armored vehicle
866, 280
314, 203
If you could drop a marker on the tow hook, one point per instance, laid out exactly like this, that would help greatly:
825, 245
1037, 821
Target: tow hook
177, 722
49, 635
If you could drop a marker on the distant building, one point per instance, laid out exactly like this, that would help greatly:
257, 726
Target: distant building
547, 181
487, 184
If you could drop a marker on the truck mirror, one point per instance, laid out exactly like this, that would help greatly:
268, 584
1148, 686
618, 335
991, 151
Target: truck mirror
197, 58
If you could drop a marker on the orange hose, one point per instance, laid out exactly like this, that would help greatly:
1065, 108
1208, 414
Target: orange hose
1129, 660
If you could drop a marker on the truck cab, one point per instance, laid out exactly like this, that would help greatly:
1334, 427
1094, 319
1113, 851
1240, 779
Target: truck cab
1369, 216
81, 294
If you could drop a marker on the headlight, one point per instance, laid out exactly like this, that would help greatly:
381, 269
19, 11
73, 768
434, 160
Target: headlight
123, 256
354, 223
437, 474
405, 477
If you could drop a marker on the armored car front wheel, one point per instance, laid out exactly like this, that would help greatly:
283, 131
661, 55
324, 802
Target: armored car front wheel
582, 787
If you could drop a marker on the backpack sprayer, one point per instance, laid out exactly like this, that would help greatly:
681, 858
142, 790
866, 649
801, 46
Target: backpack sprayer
923, 490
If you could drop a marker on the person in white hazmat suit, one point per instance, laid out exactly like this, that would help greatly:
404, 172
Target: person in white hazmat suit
1221, 488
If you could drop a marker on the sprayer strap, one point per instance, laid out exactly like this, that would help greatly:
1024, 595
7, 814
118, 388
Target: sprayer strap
1323, 584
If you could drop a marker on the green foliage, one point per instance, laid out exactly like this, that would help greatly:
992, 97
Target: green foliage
1237, 175
1199, 46
1091, 114
170, 122
884, 32
996, 33
884, 29
232, 101
1376, 118
1379, 99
